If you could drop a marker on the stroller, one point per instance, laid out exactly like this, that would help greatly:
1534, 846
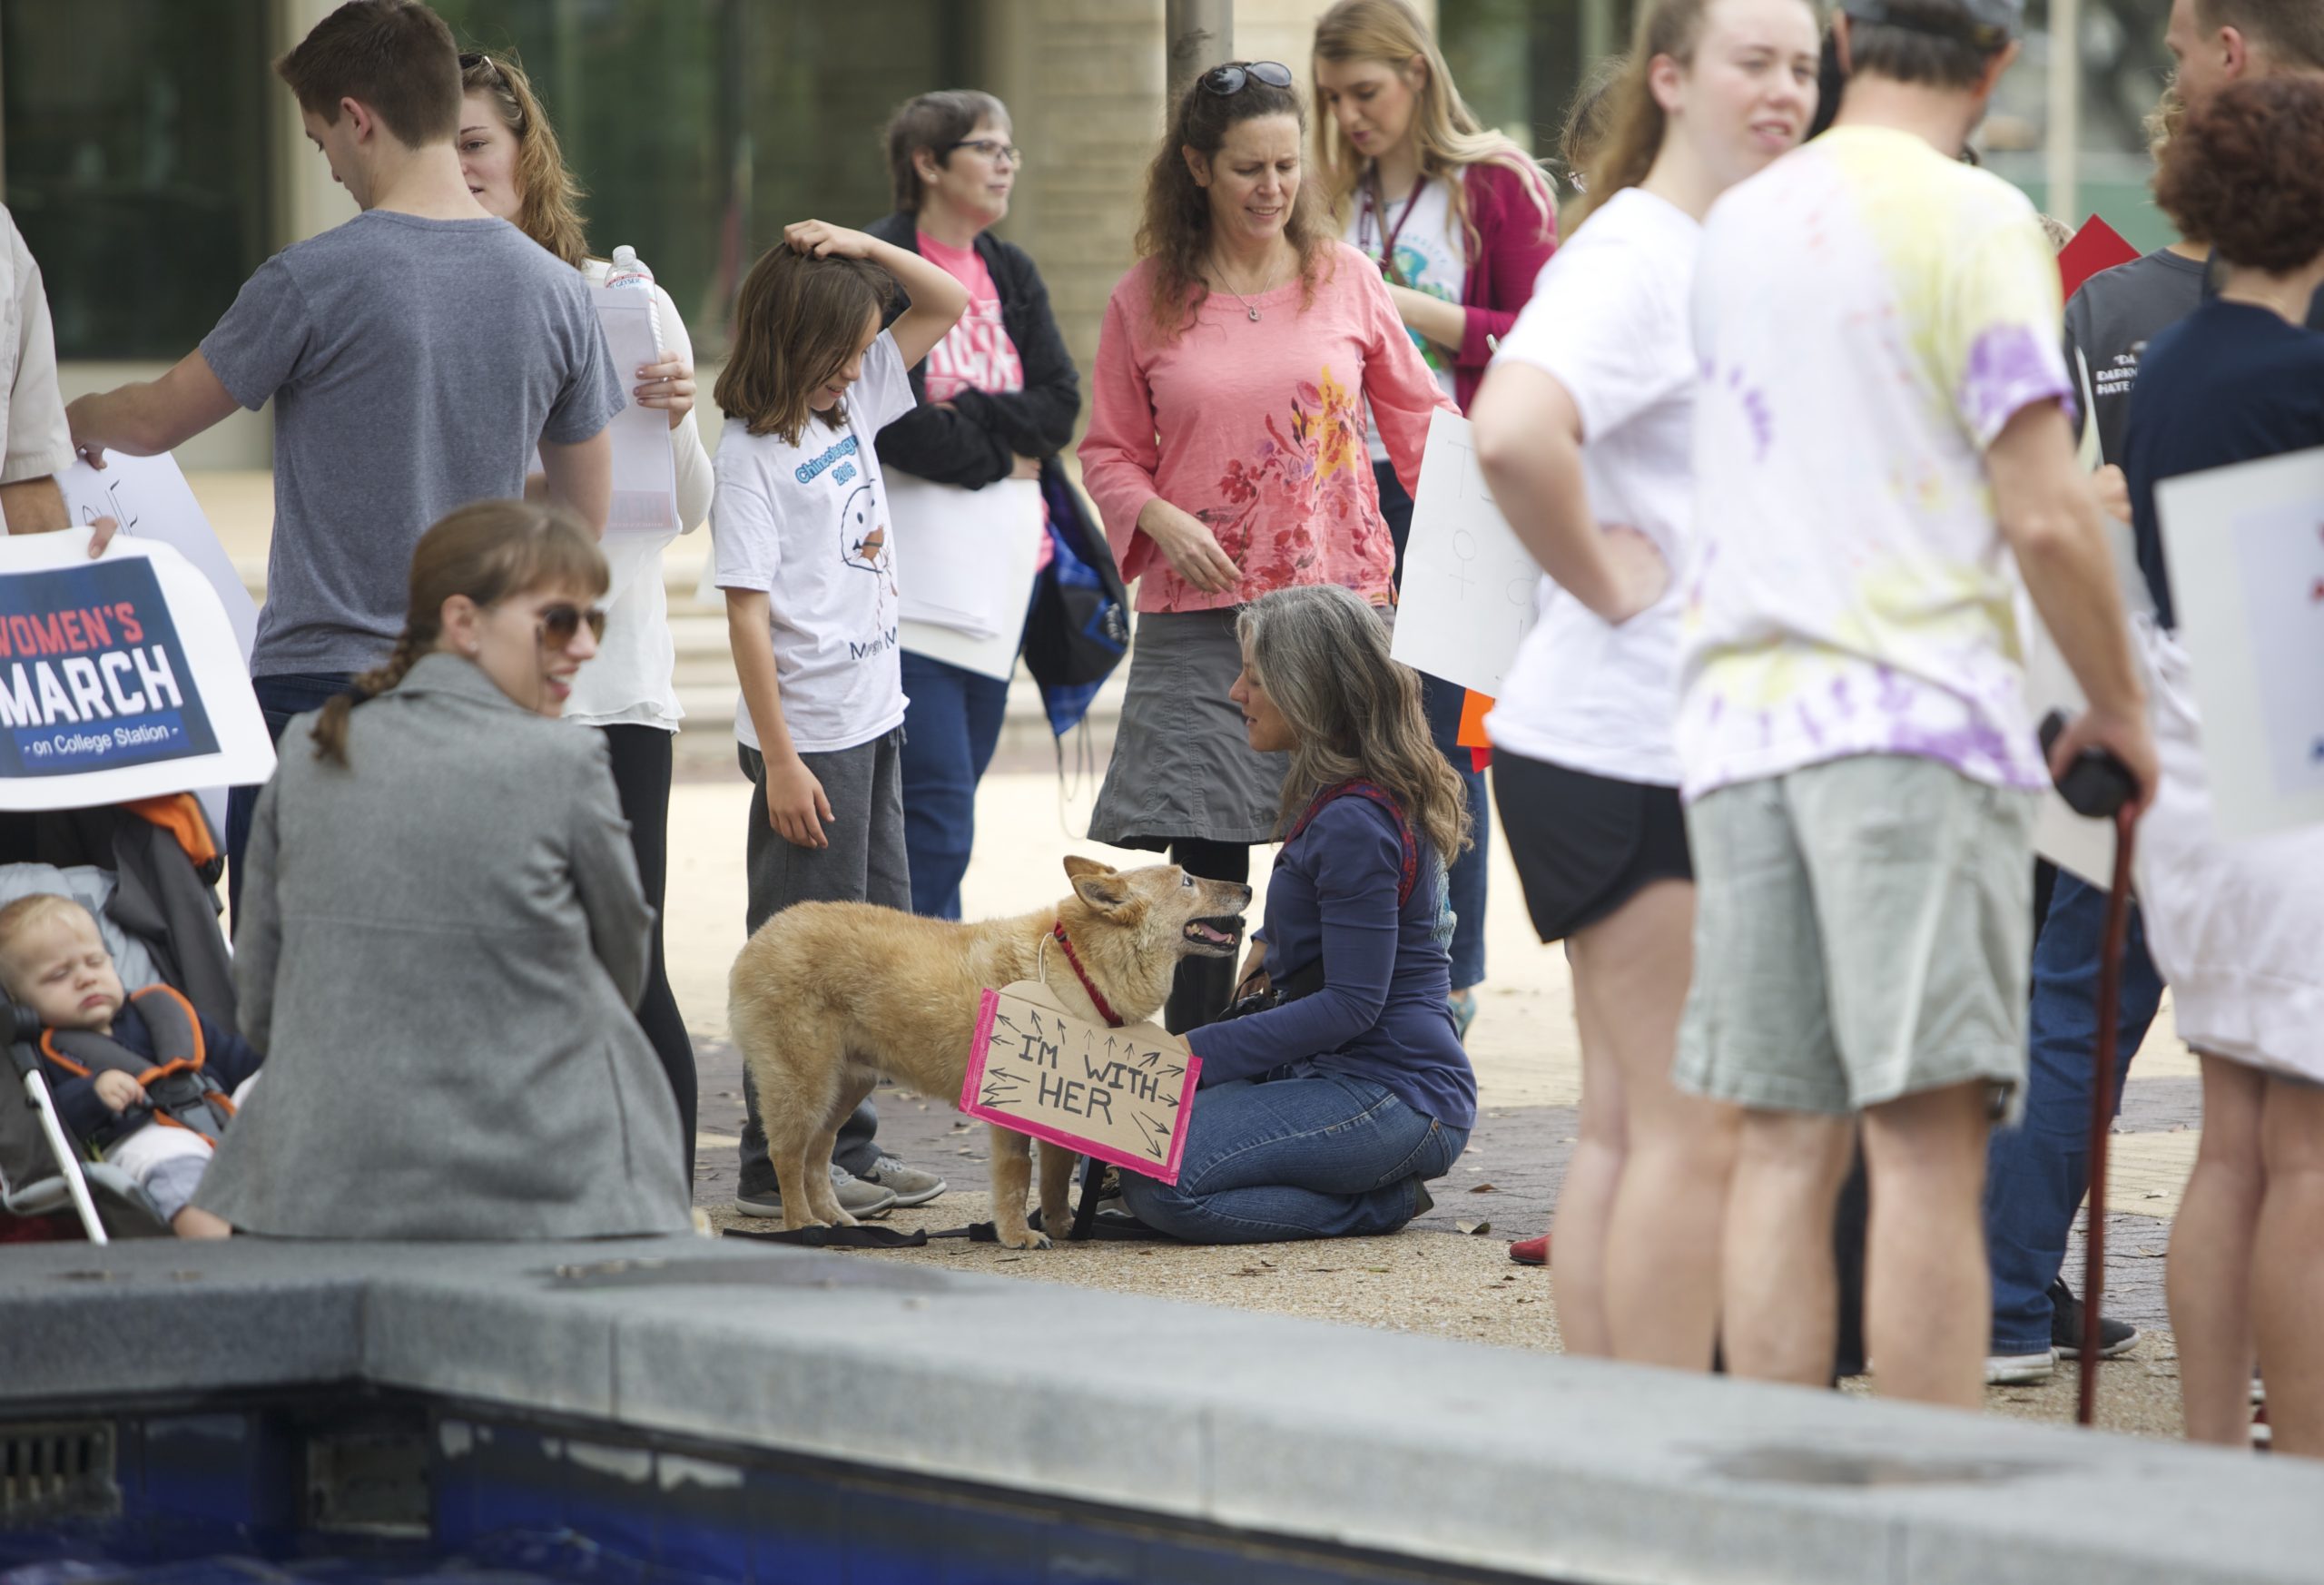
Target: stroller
148, 870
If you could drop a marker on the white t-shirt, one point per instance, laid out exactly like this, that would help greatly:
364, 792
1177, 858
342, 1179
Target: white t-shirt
1609, 320
1431, 257
1869, 316
808, 524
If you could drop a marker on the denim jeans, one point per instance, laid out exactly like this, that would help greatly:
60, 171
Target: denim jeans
1324, 1158
2035, 1173
280, 696
950, 729
1440, 701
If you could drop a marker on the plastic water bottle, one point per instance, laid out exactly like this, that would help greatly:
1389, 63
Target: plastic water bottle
629, 274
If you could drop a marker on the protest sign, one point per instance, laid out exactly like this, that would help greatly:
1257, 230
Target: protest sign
964, 569
1122, 1096
1469, 585
645, 478
2245, 548
119, 677
148, 496
2097, 246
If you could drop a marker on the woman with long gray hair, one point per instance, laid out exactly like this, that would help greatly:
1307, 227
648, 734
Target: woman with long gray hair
1342, 1086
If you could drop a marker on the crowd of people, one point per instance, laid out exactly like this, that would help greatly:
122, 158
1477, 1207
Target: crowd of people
1793, 422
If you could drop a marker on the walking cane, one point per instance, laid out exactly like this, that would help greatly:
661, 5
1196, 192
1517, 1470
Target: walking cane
60, 1144
2099, 786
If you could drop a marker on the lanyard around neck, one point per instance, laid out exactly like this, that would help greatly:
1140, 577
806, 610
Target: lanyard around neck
1374, 209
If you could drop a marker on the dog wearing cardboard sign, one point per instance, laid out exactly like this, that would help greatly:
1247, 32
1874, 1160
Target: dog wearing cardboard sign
827, 998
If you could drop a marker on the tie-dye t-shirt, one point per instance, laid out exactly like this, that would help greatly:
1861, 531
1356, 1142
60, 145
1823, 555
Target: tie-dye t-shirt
1869, 316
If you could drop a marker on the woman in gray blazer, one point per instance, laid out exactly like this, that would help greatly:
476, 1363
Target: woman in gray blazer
443, 933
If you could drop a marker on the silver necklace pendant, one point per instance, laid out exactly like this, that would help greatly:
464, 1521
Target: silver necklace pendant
1252, 311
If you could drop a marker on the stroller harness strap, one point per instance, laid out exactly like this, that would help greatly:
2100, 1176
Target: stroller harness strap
183, 1095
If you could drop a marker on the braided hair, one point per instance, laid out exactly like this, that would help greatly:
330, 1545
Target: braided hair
490, 551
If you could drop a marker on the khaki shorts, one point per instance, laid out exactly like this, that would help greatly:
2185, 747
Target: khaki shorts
1862, 930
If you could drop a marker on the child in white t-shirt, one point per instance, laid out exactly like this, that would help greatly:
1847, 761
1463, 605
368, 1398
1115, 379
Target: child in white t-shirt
799, 527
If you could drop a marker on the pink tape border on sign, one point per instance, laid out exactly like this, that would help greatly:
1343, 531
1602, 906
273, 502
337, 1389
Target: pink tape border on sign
987, 1007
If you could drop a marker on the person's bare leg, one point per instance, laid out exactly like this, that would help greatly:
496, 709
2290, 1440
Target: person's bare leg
2207, 1278
1927, 1297
1778, 1288
195, 1223
1586, 1197
2287, 1266
1663, 1239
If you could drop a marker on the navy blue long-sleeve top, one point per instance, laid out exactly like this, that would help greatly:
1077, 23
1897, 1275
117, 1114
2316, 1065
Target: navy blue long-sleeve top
226, 1057
1382, 1013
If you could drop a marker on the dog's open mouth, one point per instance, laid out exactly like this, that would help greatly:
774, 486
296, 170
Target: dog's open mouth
1215, 936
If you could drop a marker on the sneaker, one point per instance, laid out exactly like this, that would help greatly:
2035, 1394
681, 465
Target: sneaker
910, 1185
1530, 1251
2115, 1338
1464, 1004
2020, 1370
2263, 1435
856, 1197
1422, 1201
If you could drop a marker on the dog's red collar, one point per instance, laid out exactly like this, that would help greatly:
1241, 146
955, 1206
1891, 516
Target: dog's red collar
1097, 998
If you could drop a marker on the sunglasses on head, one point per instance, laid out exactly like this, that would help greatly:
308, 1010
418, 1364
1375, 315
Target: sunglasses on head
558, 624
471, 61
1234, 77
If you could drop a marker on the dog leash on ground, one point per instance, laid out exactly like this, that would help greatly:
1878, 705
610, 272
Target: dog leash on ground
2099, 786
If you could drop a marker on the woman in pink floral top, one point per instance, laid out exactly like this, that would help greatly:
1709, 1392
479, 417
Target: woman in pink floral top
1227, 453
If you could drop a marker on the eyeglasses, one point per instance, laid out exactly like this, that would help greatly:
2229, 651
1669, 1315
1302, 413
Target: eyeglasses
557, 624
992, 150
1233, 78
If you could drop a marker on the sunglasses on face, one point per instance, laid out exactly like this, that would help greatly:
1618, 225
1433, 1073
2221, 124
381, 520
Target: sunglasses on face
1233, 78
557, 624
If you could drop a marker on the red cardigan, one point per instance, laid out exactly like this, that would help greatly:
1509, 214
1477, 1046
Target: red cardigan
1513, 244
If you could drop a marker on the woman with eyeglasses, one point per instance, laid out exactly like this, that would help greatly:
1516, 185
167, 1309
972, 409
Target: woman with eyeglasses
509, 154
1225, 451
997, 397
443, 1002
1460, 221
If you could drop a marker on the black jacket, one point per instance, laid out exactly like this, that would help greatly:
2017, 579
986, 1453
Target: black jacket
981, 438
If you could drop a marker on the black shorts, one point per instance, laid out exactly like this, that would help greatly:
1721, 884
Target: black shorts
1584, 845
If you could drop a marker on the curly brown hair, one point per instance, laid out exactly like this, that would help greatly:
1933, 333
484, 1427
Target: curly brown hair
1176, 231
2244, 173
549, 198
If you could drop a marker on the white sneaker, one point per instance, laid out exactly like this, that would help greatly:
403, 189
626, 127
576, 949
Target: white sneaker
856, 1197
2020, 1370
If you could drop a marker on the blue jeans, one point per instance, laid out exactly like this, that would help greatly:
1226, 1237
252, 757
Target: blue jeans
2035, 1173
280, 696
1324, 1158
951, 728
1440, 701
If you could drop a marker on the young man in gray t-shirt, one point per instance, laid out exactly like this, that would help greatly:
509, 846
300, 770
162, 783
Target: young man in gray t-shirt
415, 356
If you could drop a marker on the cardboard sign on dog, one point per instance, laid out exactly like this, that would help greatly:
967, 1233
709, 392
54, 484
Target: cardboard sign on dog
1122, 1096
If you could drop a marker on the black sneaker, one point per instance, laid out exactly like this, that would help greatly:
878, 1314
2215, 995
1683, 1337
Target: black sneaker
2115, 1338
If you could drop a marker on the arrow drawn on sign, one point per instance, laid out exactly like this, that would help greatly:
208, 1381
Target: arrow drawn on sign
1001, 1020
1158, 1137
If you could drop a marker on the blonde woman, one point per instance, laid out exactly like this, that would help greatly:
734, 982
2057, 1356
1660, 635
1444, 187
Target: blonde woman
509, 154
1459, 220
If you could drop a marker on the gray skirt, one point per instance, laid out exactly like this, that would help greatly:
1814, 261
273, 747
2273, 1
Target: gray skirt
1182, 769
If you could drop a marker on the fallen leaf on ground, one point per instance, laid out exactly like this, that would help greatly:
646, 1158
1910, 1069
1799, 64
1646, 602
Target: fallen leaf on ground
1482, 1188
1472, 1228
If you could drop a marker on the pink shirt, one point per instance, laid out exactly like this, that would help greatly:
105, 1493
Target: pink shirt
975, 353
1258, 429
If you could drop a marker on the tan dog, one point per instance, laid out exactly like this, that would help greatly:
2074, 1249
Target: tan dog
828, 997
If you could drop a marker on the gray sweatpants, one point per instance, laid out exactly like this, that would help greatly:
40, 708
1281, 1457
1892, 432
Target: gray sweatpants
864, 863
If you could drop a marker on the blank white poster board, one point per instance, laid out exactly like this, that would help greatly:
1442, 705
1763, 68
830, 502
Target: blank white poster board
2245, 546
1469, 588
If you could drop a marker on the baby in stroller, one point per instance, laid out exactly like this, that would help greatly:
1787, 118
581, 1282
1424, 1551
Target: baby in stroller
146, 1078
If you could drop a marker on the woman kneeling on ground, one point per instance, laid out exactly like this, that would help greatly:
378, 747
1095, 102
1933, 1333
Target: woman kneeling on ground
1322, 1114
442, 933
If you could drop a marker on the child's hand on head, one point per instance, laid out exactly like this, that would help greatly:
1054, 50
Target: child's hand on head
118, 1090
822, 240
